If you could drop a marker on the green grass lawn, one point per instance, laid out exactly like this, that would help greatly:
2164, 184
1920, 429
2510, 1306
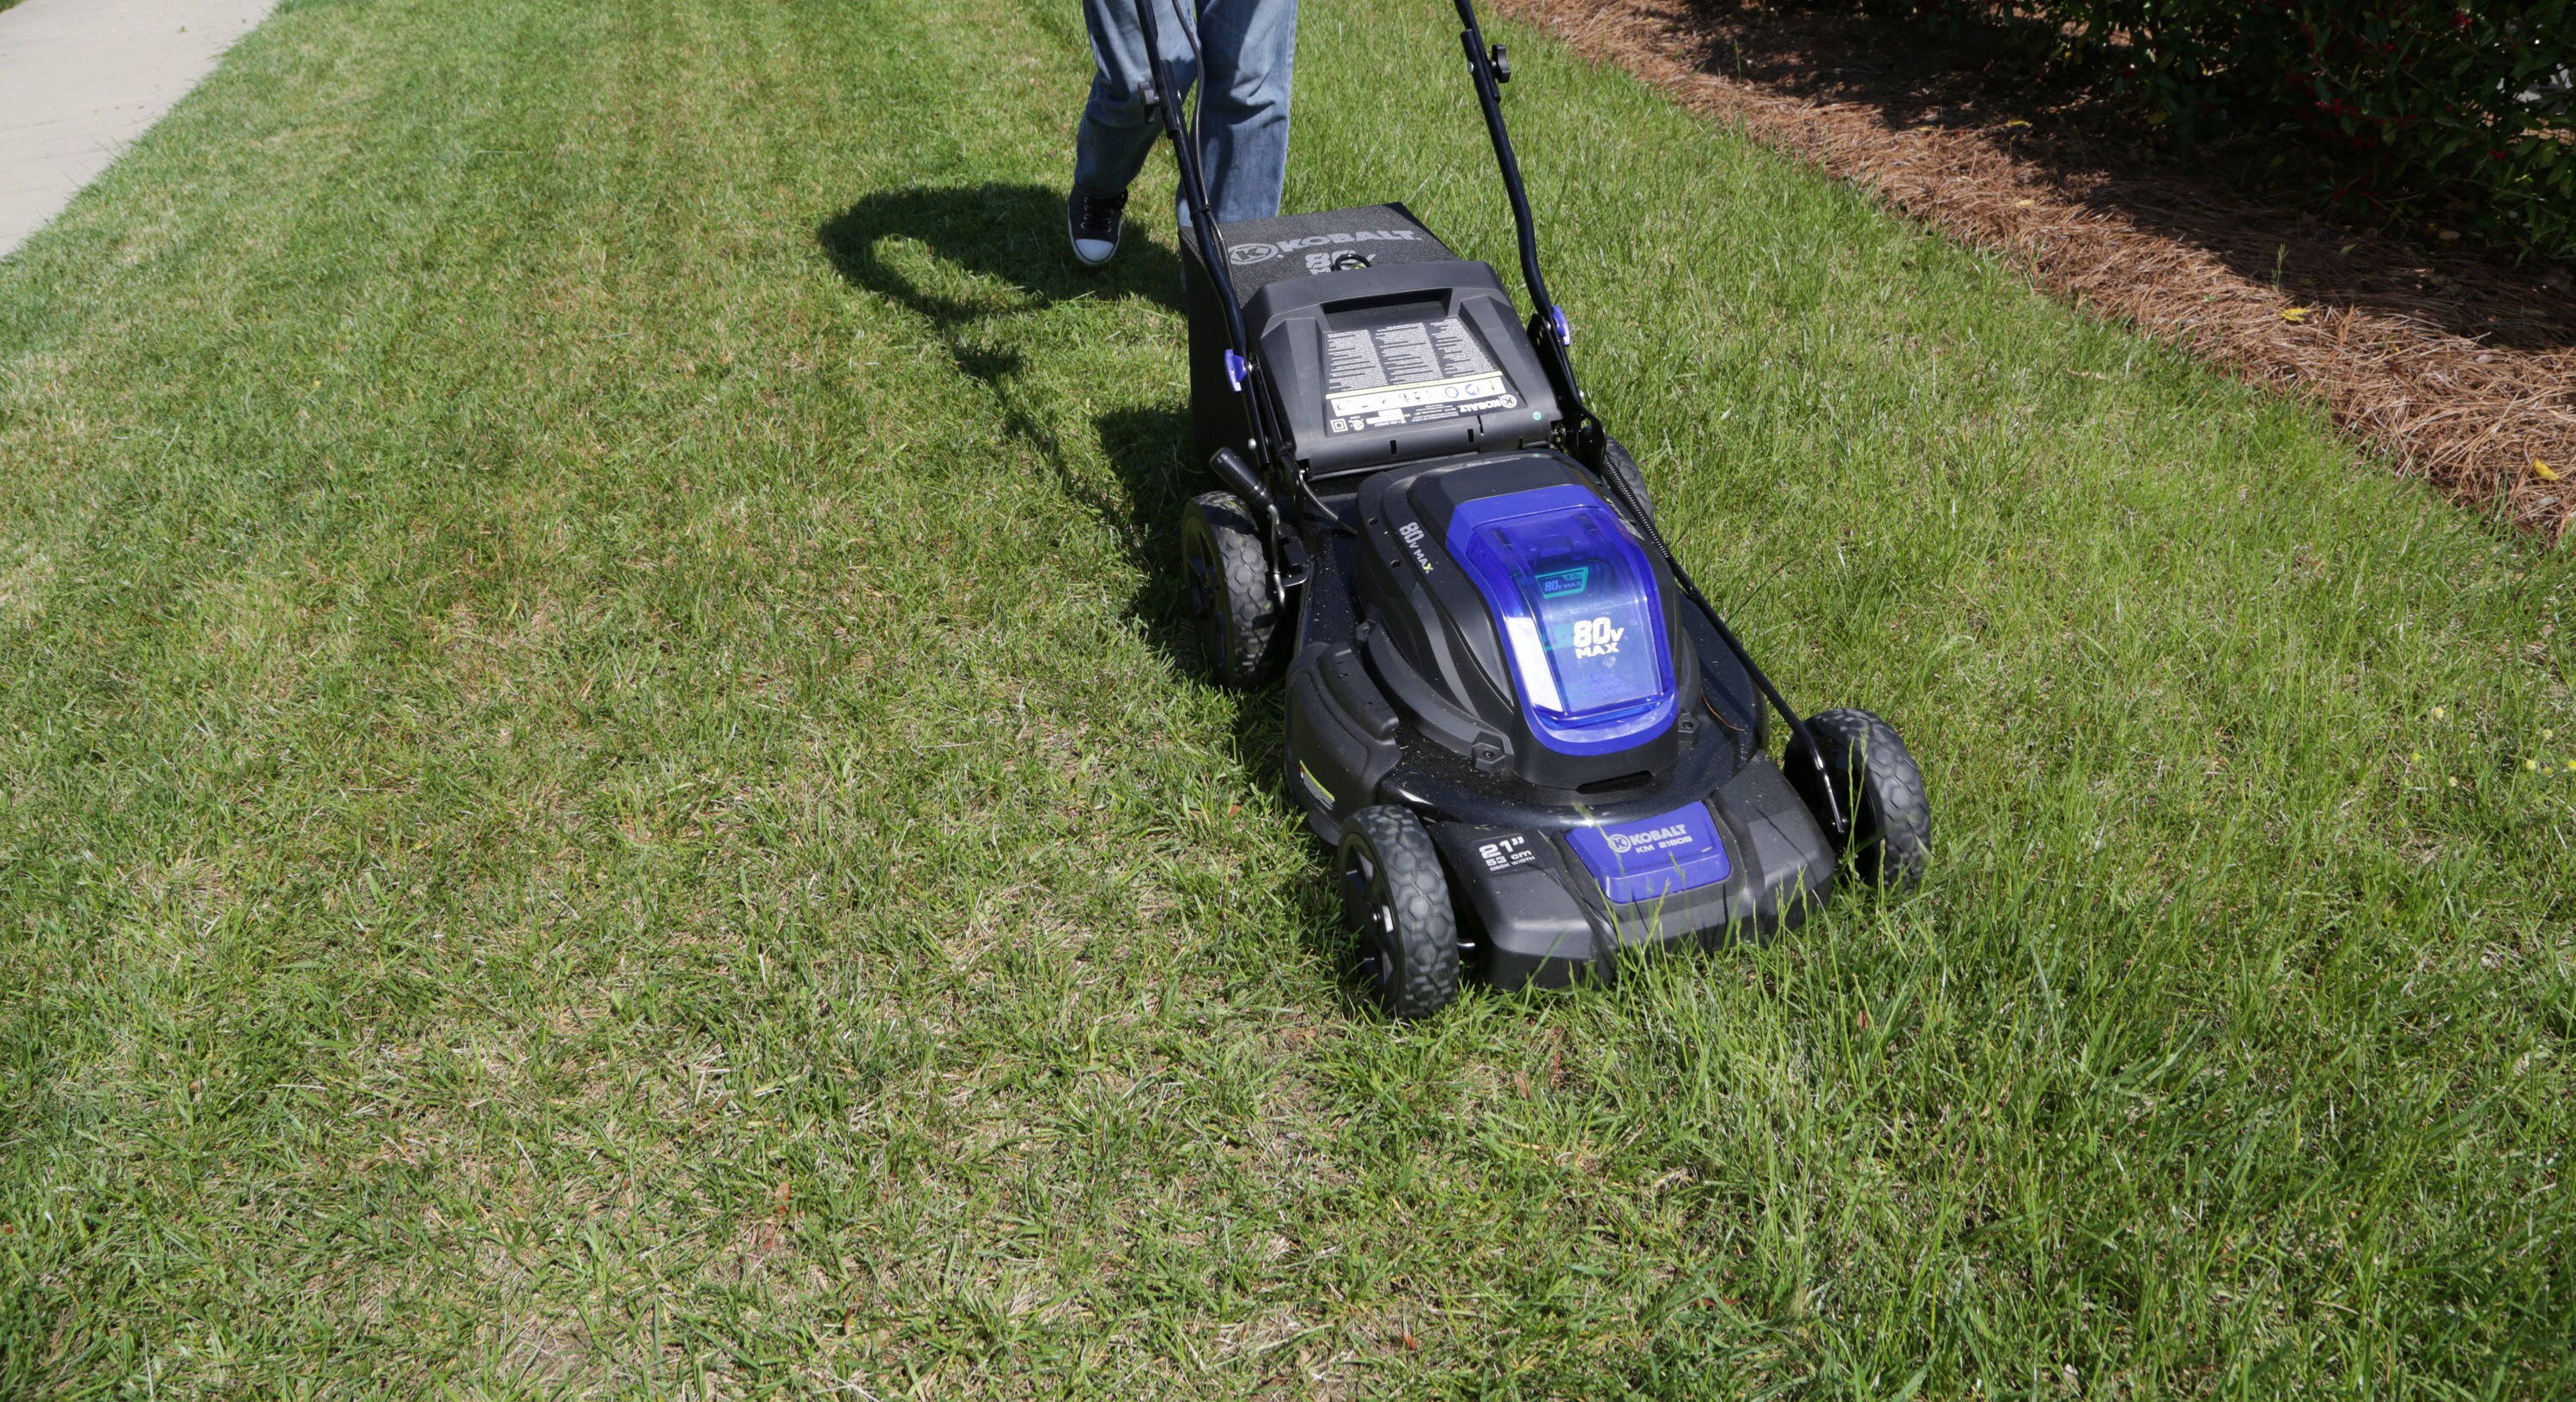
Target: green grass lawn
602, 789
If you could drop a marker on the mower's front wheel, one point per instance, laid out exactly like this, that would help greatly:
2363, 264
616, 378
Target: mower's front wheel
1228, 573
1396, 903
1879, 789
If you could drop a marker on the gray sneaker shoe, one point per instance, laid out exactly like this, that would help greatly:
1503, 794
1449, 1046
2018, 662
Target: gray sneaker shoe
1094, 222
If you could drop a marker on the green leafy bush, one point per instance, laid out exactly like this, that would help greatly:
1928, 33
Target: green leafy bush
2421, 107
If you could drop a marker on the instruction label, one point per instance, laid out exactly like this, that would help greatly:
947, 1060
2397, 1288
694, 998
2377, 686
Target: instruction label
1410, 373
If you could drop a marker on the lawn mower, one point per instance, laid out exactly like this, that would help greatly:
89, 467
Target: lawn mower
1533, 746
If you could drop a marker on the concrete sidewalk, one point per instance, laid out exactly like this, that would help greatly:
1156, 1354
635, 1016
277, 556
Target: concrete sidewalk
80, 80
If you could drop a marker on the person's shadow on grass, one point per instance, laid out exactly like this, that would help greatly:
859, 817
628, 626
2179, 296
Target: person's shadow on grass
1012, 232
968, 259
972, 260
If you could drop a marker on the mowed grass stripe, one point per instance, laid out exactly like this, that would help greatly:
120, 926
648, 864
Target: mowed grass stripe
601, 786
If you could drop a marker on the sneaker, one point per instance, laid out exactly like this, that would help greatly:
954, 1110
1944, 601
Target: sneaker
1094, 221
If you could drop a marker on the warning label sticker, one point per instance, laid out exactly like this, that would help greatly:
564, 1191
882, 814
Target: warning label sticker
1409, 373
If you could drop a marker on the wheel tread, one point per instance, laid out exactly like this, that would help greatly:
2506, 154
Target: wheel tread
1890, 807
1425, 978
1253, 634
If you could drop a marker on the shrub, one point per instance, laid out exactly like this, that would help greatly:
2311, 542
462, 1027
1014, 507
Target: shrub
2419, 106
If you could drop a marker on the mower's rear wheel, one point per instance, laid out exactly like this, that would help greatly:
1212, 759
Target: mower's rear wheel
1622, 470
1396, 902
1228, 572
1877, 784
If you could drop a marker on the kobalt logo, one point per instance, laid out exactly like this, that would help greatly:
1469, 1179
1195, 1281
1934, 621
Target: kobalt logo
1594, 637
1623, 843
1243, 253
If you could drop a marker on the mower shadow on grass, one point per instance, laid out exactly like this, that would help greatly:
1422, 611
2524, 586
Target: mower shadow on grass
1002, 250
1149, 448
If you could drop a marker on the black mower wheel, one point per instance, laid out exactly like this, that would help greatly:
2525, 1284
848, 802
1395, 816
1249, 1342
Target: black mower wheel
1396, 903
1879, 787
1228, 572
1622, 470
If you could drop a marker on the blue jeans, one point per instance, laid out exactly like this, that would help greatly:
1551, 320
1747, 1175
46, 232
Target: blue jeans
1251, 46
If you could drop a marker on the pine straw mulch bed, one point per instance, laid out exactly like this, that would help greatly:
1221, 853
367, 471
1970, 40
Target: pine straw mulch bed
2458, 365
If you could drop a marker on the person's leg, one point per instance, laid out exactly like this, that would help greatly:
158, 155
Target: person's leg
1117, 133
1251, 48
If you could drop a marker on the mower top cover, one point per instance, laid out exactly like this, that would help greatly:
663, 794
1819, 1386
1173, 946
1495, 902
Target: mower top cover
1378, 345
1581, 620
1260, 252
